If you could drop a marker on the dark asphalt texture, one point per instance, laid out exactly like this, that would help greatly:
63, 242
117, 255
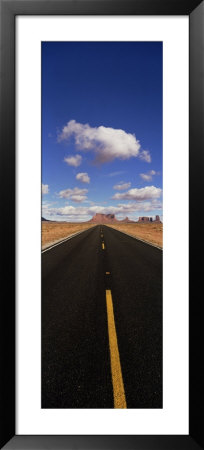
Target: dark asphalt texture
76, 370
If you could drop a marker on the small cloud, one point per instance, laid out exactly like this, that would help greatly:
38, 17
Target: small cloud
74, 161
76, 194
145, 156
83, 177
78, 198
146, 193
122, 186
45, 189
148, 176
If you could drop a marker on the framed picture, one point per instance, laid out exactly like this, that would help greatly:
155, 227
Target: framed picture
90, 88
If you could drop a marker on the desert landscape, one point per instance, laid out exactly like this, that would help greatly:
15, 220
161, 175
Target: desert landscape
149, 231
53, 232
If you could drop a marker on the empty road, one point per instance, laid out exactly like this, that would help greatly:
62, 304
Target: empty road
102, 322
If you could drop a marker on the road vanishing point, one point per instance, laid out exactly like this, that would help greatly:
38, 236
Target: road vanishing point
102, 322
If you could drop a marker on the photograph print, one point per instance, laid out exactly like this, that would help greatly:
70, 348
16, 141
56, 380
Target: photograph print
102, 225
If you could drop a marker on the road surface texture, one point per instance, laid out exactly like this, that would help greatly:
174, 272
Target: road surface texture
102, 322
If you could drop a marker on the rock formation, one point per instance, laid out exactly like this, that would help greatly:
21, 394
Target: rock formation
146, 219
107, 218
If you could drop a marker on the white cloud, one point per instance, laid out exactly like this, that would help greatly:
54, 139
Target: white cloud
73, 160
107, 143
45, 189
121, 186
146, 193
82, 213
83, 177
148, 176
78, 198
76, 194
145, 156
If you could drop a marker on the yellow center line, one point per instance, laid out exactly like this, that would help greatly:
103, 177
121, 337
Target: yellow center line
117, 379
101, 235
107, 273
103, 246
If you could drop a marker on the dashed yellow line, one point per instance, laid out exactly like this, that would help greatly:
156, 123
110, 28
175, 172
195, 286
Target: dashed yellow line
103, 246
107, 273
117, 379
102, 235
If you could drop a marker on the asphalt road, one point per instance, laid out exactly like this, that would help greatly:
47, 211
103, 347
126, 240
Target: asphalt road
102, 322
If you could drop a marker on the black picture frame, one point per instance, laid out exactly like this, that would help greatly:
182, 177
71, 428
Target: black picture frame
9, 9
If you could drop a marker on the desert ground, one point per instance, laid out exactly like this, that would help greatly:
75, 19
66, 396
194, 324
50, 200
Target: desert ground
53, 232
149, 232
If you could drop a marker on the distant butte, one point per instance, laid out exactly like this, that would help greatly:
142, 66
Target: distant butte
107, 218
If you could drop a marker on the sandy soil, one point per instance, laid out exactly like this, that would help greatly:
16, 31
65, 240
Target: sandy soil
150, 232
53, 232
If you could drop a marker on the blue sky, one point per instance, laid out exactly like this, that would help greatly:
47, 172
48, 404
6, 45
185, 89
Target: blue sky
101, 129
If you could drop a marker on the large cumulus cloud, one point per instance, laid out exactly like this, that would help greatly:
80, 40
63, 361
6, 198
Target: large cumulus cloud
107, 143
